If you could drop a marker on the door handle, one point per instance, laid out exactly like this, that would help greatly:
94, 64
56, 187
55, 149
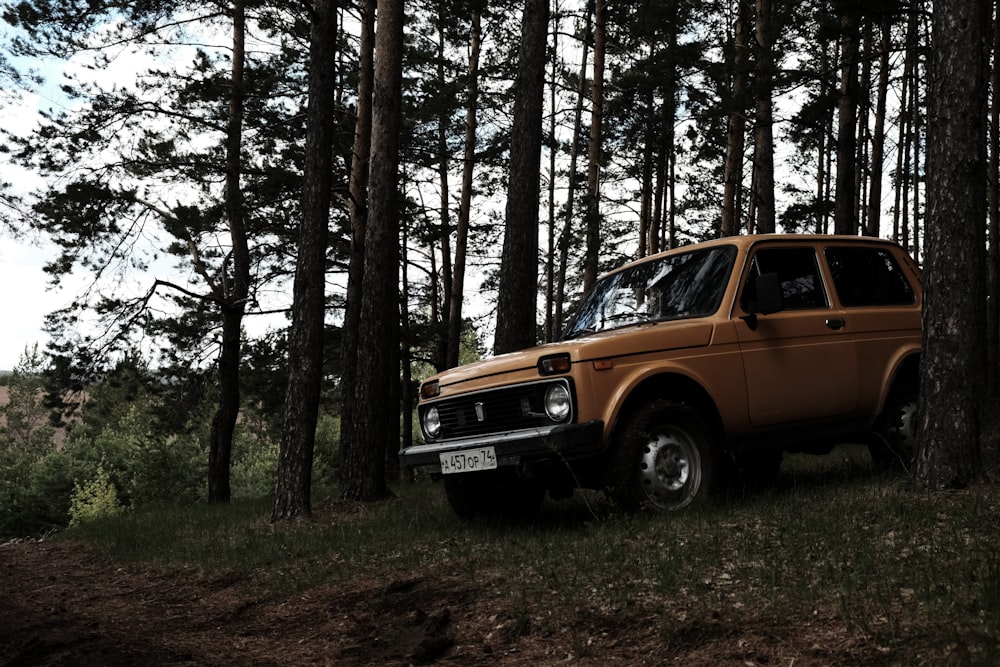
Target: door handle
835, 323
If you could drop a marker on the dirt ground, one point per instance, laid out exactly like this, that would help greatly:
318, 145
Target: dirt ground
63, 604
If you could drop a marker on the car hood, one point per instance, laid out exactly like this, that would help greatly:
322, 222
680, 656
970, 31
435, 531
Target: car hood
523, 364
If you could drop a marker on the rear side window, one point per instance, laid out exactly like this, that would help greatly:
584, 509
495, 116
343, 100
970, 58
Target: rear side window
798, 275
868, 277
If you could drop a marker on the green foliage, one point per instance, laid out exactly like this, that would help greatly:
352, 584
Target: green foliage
130, 448
255, 458
326, 458
128, 442
24, 420
94, 499
147, 466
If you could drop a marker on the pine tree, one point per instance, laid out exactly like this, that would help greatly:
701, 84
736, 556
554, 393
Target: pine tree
516, 325
952, 374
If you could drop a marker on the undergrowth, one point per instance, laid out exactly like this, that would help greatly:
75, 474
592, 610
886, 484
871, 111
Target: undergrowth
904, 572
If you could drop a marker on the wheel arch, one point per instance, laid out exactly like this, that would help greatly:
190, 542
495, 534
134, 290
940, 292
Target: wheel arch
905, 377
675, 387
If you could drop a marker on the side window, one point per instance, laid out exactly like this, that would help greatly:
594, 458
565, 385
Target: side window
798, 275
868, 277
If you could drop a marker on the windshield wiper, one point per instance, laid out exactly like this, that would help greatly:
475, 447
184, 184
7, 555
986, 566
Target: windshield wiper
640, 318
581, 332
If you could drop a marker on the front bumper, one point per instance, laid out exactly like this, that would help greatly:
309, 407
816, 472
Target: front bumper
568, 441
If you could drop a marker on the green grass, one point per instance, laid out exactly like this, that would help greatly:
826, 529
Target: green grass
903, 570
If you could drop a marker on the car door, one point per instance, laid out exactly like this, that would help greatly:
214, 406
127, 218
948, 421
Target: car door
800, 363
881, 308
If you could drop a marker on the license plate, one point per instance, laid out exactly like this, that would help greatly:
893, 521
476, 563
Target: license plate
468, 460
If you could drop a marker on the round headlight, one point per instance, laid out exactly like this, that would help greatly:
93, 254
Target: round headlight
432, 422
557, 402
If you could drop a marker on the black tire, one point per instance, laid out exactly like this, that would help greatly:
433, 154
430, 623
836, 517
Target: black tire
493, 494
664, 459
896, 447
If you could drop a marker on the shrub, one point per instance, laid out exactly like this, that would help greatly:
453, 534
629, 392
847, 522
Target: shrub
255, 460
95, 499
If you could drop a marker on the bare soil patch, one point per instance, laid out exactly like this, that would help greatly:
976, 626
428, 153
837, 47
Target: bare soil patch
63, 604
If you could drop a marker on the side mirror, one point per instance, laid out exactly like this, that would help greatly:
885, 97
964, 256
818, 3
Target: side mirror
767, 298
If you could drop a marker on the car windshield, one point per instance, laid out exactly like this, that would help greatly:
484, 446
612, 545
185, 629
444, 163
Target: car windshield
673, 287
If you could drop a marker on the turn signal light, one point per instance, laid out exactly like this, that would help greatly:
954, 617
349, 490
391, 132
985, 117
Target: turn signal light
557, 363
430, 389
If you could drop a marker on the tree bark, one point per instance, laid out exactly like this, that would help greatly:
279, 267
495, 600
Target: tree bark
465, 205
361, 155
847, 110
764, 127
293, 484
444, 216
548, 329
874, 217
594, 152
993, 259
519, 266
901, 190
574, 152
363, 464
736, 132
234, 297
952, 372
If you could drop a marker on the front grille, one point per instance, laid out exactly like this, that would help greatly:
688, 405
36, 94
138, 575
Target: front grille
494, 411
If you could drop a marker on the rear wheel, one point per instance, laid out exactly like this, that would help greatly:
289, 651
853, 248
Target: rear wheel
665, 459
493, 494
897, 446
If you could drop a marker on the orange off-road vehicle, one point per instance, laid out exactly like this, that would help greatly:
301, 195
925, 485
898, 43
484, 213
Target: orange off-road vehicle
683, 370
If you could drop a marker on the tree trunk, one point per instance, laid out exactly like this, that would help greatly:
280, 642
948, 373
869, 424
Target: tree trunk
952, 372
401, 436
764, 129
659, 195
465, 206
916, 135
669, 145
550, 251
862, 141
377, 380
901, 184
233, 300
519, 266
444, 185
736, 132
824, 156
874, 216
574, 152
646, 183
847, 110
305, 349
359, 224
993, 181
594, 152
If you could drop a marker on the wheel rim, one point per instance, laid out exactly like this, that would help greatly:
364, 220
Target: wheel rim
669, 470
902, 430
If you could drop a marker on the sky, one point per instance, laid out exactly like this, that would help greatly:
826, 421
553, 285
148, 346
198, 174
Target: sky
24, 299
25, 294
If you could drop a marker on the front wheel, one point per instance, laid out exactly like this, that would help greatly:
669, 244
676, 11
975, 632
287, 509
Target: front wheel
665, 459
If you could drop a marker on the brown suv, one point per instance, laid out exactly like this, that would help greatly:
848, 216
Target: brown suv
684, 370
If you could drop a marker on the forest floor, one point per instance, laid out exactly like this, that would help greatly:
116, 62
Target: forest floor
62, 603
